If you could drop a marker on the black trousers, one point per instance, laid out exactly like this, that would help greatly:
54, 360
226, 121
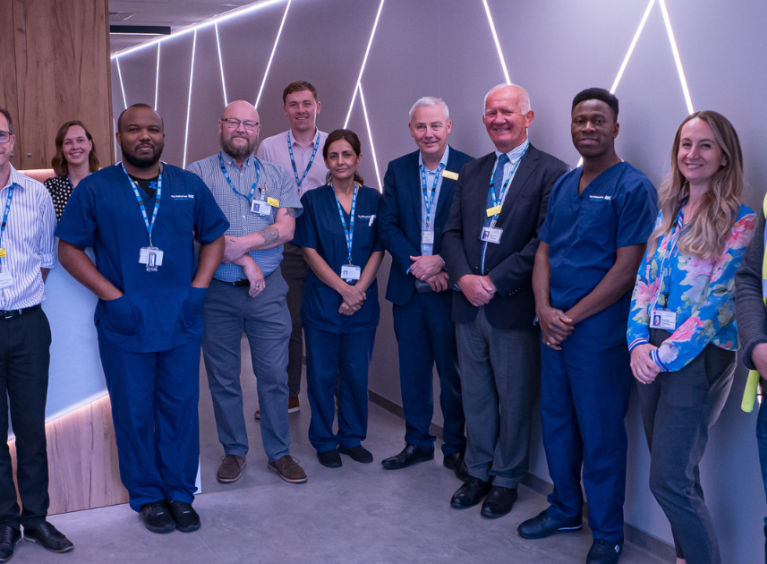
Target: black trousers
24, 358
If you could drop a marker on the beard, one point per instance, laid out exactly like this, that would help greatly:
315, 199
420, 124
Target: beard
145, 162
235, 151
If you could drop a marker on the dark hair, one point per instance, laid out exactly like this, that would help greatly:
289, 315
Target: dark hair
350, 137
59, 163
597, 94
139, 105
7, 115
298, 86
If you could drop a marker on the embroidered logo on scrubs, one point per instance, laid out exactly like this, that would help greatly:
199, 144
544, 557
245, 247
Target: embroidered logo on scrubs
603, 198
182, 196
369, 218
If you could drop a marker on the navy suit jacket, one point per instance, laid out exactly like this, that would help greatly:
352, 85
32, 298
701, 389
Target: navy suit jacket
399, 218
509, 263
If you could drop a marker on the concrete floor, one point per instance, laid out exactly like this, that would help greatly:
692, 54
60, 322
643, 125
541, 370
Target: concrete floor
354, 514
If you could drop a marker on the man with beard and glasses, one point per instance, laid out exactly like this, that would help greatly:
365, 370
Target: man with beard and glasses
142, 217
248, 294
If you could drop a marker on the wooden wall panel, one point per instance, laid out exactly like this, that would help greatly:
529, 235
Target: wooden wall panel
62, 73
8, 89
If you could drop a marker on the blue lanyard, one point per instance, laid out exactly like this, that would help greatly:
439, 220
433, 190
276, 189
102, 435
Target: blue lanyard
665, 271
158, 196
348, 230
5, 215
428, 200
311, 160
499, 201
229, 180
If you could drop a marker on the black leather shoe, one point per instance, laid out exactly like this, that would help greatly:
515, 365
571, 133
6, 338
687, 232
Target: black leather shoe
456, 463
48, 536
9, 538
156, 517
542, 526
498, 502
330, 458
358, 453
410, 455
470, 493
184, 516
604, 552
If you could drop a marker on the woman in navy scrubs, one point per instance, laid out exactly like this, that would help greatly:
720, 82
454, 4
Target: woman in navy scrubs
339, 236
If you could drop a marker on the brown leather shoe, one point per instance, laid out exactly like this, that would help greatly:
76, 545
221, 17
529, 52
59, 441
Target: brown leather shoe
288, 469
230, 469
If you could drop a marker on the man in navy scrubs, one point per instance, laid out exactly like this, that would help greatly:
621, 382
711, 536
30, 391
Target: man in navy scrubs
418, 191
142, 217
600, 216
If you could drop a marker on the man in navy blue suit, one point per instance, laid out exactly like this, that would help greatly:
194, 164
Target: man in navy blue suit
418, 191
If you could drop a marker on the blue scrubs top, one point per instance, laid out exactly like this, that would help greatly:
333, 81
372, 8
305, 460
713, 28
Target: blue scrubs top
159, 310
319, 228
584, 232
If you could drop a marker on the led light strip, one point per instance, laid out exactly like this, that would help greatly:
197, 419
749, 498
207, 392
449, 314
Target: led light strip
677, 58
221, 65
631, 47
497, 42
364, 61
189, 101
370, 134
122, 87
274, 50
156, 80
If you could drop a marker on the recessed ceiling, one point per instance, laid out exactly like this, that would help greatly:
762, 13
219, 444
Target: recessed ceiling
174, 13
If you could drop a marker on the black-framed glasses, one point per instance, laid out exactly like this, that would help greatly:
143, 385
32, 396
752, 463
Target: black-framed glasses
234, 123
5, 136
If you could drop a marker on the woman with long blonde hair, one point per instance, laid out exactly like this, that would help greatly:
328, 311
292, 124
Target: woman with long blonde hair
681, 332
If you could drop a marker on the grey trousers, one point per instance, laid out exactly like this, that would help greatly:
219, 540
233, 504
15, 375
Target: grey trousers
294, 271
678, 409
229, 311
500, 379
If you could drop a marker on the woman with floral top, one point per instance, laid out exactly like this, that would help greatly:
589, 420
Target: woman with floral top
681, 332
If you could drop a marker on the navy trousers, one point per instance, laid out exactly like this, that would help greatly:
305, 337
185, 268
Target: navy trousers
761, 436
154, 400
425, 337
584, 399
327, 356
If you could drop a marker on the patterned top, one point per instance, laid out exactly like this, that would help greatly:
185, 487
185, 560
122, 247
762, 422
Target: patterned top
61, 189
701, 292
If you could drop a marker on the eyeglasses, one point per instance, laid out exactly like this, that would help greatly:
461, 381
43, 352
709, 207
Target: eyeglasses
5, 136
234, 123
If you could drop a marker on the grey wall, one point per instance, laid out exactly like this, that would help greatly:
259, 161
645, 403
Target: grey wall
445, 48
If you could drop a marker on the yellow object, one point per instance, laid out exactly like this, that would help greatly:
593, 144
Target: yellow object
493, 211
273, 202
749, 396
2, 253
450, 174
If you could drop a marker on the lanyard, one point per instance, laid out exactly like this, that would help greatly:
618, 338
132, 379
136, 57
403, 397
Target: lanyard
665, 271
428, 199
229, 180
499, 201
8, 200
348, 230
311, 160
158, 196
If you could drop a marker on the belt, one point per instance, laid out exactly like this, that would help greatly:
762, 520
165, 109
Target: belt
11, 313
236, 283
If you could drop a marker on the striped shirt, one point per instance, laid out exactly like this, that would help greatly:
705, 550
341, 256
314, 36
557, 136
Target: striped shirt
274, 182
275, 150
28, 241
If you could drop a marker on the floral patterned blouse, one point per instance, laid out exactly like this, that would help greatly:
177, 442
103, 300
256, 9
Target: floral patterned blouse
701, 292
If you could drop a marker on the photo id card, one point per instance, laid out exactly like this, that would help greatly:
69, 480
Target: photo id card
427, 237
350, 273
6, 280
491, 235
663, 319
151, 257
260, 207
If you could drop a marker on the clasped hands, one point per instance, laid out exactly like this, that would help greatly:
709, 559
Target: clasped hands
429, 268
479, 290
353, 298
556, 326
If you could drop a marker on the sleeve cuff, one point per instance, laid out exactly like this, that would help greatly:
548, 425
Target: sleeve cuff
636, 342
47, 261
654, 356
748, 349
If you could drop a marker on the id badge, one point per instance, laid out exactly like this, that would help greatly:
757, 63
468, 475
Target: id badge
151, 257
427, 237
491, 235
6, 280
260, 207
350, 273
663, 319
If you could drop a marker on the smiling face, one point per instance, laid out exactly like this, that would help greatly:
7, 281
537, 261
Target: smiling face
700, 157
6, 149
141, 136
503, 118
301, 109
342, 161
76, 147
240, 140
593, 128
430, 128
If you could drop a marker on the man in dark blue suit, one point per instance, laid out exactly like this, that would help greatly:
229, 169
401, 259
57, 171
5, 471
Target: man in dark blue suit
418, 190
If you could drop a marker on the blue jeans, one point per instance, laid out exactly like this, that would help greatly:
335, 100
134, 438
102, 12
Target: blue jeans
761, 438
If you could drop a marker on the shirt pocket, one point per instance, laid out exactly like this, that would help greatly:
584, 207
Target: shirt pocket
597, 224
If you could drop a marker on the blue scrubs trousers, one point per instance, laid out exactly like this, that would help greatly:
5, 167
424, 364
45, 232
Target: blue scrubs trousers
328, 355
154, 400
584, 400
425, 336
761, 437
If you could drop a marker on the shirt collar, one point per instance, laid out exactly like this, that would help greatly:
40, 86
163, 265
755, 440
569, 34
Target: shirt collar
295, 143
14, 178
516, 152
228, 159
442, 161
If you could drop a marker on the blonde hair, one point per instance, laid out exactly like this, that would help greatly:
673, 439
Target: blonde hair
718, 209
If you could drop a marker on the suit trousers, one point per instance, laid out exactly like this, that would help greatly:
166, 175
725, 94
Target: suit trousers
678, 409
425, 337
24, 359
229, 311
294, 269
500, 377
154, 399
